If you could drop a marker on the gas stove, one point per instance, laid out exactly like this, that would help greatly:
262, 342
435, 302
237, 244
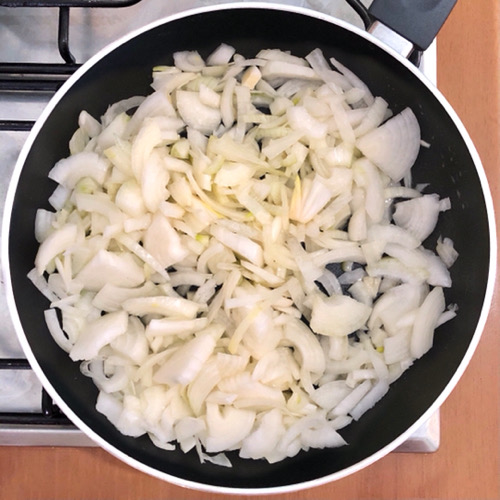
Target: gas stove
42, 42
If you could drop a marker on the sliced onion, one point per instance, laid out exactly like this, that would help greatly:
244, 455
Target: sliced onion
97, 334
418, 216
375, 394
221, 55
195, 113
185, 364
189, 61
56, 331
337, 315
446, 251
393, 146
425, 322
56, 243
227, 428
352, 399
187, 259
69, 171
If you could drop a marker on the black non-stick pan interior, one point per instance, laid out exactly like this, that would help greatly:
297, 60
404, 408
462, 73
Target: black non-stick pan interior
447, 165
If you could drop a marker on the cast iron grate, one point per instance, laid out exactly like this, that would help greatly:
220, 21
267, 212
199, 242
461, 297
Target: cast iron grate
46, 77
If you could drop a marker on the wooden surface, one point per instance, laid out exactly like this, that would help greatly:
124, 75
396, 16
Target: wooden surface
466, 466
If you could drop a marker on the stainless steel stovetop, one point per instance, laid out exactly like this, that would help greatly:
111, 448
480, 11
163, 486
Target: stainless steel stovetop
29, 35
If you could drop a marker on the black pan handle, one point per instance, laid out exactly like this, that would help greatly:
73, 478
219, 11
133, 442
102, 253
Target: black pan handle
418, 21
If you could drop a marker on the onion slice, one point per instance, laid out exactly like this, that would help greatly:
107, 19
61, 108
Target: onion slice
393, 146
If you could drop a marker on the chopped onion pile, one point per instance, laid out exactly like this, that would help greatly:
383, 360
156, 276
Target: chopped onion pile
237, 258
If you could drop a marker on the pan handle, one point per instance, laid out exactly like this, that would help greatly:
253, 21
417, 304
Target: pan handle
417, 21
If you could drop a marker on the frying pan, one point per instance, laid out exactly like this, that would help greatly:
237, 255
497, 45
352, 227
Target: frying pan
451, 165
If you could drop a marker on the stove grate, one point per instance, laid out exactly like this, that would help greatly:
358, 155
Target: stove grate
68, 3
44, 77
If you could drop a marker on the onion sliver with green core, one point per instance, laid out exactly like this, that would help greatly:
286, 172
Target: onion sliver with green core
229, 261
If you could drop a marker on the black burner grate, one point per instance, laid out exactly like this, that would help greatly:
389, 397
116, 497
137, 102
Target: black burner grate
45, 77
68, 3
